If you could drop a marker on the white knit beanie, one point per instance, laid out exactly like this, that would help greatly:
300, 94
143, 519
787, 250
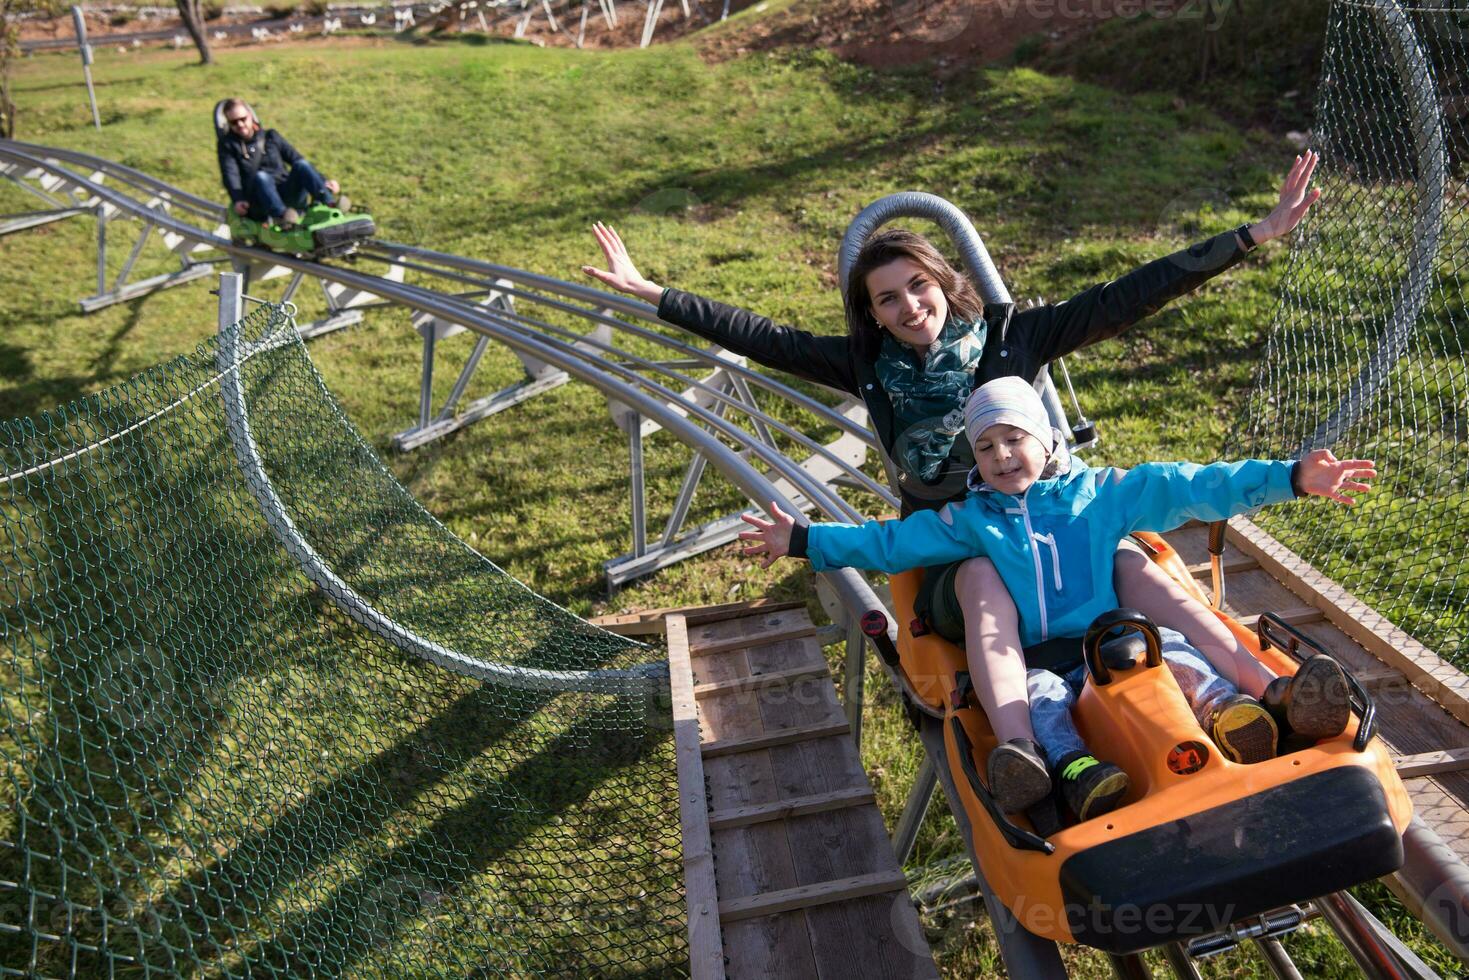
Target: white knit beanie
1008, 401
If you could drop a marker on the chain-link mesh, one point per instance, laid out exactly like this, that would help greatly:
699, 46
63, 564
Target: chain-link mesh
211, 770
1366, 356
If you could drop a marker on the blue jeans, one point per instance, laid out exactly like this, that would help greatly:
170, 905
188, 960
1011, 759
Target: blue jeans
1052, 695
269, 196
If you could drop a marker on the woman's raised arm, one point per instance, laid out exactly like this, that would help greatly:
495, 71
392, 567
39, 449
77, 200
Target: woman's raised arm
620, 273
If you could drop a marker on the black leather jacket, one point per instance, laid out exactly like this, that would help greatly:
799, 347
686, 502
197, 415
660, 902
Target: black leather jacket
240, 160
1019, 342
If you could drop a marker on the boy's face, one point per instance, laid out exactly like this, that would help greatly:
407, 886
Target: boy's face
1009, 458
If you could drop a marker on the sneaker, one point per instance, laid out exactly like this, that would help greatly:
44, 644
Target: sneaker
1244, 730
1018, 777
1315, 703
1091, 787
290, 219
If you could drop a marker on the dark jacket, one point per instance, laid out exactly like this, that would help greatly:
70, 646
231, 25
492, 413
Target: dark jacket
240, 160
1019, 342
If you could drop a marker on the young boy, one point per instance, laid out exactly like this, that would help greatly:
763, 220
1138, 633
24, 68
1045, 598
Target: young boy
1051, 527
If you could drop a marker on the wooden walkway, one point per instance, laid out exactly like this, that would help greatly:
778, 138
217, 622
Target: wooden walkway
789, 869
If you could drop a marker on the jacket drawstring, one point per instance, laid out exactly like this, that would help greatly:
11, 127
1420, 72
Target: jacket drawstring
1050, 539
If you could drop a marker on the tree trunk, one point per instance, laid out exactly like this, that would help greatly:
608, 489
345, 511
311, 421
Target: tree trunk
193, 17
9, 51
7, 108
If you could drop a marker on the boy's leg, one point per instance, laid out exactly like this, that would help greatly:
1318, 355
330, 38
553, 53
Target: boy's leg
992, 647
1238, 724
1141, 584
1051, 699
1089, 786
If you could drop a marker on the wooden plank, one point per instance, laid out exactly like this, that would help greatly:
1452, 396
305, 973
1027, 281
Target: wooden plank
1430, 763
742, 816
806, 896
1206, 569
784, 736
1424, 669
755, 639
873, 938
771, 947
1374, 678
1299, 616
646, 622
729, 628
706, 945
754, 682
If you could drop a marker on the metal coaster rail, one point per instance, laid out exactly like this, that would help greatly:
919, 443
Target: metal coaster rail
649, 398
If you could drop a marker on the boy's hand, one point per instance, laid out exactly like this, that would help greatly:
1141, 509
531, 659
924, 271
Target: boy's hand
242, 207
771, 539
1321, 474
620, 273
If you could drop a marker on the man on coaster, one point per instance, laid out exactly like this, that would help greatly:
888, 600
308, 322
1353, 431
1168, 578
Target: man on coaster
252, 165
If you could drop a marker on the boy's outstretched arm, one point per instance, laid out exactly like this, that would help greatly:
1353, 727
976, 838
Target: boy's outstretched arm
1162, 496
925, 537
1321, 474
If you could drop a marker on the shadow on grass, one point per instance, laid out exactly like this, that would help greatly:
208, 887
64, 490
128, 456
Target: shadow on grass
480, 835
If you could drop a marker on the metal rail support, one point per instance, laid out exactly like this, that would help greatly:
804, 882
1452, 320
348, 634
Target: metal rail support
678, 543
1377, 952
540, 377
1180, 962
120, 291
1130, 966
855, 679
905, 835
639, 488
1277, 959
56, 209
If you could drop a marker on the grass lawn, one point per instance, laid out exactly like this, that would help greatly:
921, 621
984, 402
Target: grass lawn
508, 152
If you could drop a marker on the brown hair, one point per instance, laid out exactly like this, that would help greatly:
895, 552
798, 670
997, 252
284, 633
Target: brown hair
882, 248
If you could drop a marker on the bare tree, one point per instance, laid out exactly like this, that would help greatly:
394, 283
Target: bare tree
191, 12
10, 14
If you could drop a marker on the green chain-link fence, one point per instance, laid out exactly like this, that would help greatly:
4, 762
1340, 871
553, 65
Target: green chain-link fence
1366, 356
211, 770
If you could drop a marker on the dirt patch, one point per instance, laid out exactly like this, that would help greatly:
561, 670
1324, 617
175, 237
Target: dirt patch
950, 34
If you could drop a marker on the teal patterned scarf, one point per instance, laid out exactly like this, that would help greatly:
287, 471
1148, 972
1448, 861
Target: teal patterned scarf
928, 398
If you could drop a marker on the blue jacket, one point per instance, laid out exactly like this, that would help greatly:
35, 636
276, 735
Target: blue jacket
1054, 545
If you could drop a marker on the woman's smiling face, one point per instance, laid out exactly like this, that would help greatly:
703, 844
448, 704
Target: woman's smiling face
907, 302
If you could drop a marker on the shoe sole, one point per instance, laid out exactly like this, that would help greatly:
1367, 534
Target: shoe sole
1245, 733
1319, 703
1017, 783
1104, 796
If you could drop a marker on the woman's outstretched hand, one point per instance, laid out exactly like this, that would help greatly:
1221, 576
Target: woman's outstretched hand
1321, 474
1296, 197
770, 538
620, 273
